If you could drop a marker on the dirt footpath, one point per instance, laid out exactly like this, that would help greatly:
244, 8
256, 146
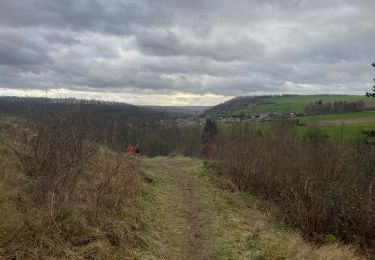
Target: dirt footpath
194, 219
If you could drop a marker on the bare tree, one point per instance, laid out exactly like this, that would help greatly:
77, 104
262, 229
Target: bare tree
372, 94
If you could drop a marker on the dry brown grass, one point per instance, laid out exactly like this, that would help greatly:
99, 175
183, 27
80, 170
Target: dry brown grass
61, 197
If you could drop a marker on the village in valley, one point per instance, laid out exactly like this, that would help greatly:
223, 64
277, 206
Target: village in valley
219, 118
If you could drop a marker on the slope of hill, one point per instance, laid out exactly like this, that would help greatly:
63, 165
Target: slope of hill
182, 212
283, 103
234, 104
21, 107
62, 197
181, 109
114, 125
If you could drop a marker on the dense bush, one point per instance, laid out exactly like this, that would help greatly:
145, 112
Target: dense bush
55, 151
324, 187
166, 140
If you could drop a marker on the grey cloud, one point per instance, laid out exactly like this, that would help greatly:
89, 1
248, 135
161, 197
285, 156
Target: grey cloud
16, 50
61, 39
227, 48
217, 46
111, 16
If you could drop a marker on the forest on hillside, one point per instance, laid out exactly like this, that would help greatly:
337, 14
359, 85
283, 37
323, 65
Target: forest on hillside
301, 104
112, 124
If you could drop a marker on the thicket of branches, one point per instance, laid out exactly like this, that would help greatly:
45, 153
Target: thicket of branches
323, 187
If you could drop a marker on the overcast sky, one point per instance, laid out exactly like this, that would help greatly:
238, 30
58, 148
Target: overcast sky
185, 52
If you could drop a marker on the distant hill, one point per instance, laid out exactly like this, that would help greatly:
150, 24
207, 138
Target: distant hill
180, 109
235, 104
22, 107
111, 124
280, 103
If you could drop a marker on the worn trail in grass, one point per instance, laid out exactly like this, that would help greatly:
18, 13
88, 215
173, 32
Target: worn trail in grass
189, 213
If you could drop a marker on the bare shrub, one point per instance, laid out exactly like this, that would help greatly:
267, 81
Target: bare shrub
324, 187
74, 192
112, 182
54, 151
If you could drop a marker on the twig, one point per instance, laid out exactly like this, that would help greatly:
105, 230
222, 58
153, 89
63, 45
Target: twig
51, 209
7, 194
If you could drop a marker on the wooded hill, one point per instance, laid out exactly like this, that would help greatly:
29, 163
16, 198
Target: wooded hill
20, 106
114, 125
283, 103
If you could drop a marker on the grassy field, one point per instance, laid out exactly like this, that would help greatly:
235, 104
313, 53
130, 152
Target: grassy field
297, 103
347, 126
363, 114
346, 131
349, 131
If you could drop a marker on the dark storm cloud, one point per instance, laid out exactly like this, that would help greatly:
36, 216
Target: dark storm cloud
208, 46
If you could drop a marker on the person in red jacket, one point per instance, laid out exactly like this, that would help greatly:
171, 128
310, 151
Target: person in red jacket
130, 149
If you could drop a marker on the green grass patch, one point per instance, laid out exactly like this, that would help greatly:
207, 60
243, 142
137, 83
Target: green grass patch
348, 131
353, 115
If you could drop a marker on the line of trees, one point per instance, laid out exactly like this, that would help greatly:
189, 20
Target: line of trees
336, 107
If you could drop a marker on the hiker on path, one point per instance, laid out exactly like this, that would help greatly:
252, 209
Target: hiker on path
130, 149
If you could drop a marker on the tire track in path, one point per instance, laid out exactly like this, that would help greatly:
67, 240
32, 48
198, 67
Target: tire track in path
194, 219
